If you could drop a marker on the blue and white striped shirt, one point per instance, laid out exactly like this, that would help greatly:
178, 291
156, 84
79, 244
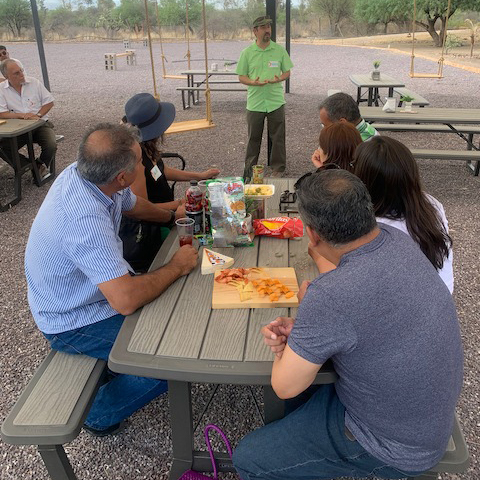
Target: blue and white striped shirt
74, 246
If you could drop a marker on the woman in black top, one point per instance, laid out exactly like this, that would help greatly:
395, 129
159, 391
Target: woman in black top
141, 240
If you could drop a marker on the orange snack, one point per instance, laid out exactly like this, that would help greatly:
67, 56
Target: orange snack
289, 295
274, 297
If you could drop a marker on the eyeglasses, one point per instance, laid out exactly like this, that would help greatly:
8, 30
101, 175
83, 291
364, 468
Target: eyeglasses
326, 166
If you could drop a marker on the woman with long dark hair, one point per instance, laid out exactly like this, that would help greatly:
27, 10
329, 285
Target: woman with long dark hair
391, 174
337, 144
141, 240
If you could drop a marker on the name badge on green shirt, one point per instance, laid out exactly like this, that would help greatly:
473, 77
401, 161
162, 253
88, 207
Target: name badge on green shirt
274, 64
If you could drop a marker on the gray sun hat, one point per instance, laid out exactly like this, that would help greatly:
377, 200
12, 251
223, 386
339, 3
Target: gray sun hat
150, 116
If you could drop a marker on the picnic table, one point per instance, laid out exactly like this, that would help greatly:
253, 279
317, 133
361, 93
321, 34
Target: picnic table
195, 85
10, 131
178, 337
373, 87
464, 122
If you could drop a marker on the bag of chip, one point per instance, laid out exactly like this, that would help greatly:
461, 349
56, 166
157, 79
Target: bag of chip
281, 227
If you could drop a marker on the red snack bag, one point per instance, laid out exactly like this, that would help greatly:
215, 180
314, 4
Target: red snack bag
281, 227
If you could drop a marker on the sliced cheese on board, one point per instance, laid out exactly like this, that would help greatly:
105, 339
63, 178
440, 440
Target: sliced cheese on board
213, 261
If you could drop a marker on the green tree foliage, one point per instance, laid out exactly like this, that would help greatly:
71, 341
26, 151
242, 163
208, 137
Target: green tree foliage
382, 11
173, 12
335, 10
15, 15
434, 10
132, 13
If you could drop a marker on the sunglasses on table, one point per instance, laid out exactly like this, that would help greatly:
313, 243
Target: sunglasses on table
326, 166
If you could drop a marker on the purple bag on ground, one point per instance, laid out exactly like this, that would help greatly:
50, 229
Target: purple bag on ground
192, 474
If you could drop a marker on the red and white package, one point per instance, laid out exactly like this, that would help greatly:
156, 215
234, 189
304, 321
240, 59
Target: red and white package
281, 227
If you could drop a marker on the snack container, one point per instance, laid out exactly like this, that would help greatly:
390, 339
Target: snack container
269, 191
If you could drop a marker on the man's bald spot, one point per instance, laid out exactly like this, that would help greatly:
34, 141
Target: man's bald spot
99, 142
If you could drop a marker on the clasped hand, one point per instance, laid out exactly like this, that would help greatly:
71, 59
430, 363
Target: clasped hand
260, 83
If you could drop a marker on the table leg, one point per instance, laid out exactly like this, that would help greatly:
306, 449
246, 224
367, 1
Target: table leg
370, 96
274, 407
190, 93
390, 91
181, 421
376, 96
359, 95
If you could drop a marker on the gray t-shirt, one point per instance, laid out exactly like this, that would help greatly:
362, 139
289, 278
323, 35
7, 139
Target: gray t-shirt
388, 322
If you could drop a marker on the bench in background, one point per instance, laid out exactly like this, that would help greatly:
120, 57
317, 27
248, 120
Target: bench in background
191, 90
418, 100
51, 410
111, 59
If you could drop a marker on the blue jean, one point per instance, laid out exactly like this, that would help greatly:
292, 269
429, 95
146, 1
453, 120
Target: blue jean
121, 395
309, 443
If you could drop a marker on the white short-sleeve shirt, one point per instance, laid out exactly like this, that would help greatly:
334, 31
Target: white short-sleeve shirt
32, 98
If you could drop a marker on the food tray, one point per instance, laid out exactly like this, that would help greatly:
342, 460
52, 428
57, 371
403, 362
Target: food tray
258, 196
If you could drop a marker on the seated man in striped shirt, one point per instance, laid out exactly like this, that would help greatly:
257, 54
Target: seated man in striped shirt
79, 286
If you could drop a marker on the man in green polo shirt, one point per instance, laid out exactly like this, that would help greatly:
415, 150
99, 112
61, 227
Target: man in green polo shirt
263, 66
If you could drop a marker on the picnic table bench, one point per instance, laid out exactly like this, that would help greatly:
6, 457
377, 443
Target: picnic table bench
51, 410
418, 100
186, 103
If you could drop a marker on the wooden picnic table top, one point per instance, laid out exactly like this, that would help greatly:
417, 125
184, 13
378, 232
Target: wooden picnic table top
423, 115
385, 81
179, 337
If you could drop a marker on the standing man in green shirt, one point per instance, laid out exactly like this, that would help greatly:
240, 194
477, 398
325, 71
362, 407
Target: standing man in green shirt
263, 66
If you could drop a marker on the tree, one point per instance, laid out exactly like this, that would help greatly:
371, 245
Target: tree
474, 28
335, 10
382, 11
433, 10
15, 15
132, 13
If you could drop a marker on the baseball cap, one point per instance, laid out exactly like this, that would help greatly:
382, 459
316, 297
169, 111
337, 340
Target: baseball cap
263, 20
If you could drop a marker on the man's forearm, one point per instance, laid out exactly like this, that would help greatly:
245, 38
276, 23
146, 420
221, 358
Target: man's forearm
12, 115
45, 109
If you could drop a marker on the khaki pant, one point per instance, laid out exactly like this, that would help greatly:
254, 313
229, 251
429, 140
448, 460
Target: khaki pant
276, 131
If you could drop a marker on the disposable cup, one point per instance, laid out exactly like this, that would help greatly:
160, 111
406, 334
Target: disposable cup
185, 231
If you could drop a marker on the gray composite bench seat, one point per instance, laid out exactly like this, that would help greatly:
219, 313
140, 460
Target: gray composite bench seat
192, 90
455, 460
51, 410
468, 156
417, 98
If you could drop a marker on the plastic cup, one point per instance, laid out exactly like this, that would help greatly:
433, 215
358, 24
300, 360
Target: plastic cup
203, 186
185, 230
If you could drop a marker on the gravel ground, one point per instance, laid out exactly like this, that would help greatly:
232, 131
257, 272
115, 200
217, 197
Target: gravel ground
86, 94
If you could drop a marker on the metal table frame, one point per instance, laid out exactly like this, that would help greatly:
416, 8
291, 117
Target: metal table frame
373, 86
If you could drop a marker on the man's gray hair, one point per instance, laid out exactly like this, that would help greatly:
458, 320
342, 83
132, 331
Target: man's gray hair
4, 65
100, 165
341, 105
336, 204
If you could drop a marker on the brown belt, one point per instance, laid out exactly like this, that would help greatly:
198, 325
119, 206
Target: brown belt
349, 435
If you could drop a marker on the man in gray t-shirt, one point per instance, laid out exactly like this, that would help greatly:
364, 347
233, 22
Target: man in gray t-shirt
388, 323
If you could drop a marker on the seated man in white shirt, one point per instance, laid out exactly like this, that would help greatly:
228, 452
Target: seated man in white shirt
26, 98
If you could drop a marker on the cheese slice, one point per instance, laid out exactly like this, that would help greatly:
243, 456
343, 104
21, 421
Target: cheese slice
213, 261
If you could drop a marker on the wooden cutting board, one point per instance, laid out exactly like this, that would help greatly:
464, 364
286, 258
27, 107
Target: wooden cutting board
227, 296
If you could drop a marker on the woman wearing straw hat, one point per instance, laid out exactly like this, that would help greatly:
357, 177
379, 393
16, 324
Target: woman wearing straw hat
141, 240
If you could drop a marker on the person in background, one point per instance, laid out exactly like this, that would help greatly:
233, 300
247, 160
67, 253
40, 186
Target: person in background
263, 66
388, 324
80, 288
27, 99
337, 144
141, 239
341, 107
391, 174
